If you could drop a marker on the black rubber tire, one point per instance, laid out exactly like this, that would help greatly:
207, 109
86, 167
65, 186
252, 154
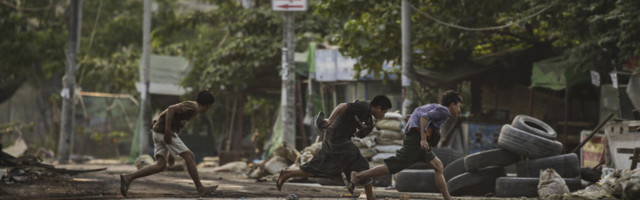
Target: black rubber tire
446, 156
382, 181
527, 144
337, 181
454, 168
527, 187
476, 183
567, 165
416, 180
543, 129
493, 157
591, 175
419, 165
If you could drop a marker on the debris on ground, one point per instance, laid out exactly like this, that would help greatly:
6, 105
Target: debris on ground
551, 183
209, 162
621, 184
276, 164
27, 169
308, 153
178, 165
143, 161
79, 159
292, 197
235, 167
287, 151
285, 157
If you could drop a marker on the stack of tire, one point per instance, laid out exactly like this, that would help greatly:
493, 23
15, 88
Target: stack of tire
420, 177
528, 143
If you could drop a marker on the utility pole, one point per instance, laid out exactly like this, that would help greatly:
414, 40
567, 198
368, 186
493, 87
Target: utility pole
68, 89
145, 107
406, 59
288, 97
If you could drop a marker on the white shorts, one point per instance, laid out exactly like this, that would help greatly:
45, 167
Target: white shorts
161, 148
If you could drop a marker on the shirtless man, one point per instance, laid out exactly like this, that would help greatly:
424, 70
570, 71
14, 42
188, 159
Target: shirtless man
165, 141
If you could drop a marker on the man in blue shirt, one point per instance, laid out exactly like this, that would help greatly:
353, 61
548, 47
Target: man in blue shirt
421, 133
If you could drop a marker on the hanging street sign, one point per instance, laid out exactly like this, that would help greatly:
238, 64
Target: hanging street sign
289, 5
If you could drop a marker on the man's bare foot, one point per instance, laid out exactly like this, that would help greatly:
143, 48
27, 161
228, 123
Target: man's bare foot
124, 185
354, 178
207, 190
280, 181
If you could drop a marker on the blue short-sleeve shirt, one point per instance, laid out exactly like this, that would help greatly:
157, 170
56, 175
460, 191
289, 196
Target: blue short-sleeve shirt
436, 114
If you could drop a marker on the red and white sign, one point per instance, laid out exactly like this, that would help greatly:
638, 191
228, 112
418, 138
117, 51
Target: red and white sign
289, 5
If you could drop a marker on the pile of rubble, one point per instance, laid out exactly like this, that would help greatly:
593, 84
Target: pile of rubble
285, 157
27, 169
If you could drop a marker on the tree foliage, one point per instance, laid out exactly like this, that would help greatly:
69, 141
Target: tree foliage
371, 30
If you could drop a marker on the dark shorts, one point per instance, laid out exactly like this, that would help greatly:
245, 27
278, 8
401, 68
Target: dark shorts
335, 158
410, 153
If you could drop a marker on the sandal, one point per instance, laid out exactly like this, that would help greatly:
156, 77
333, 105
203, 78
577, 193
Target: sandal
123, 186
279, 186
348, 184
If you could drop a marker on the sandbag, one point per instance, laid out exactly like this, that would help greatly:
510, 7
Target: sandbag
235, 167
367, 152
143, 160
387, 148
551, 183
379, 158
305, 157
389, 124
393, 115
383, 141
391, 135
366, 142
314, 148
287, 151
276, 164
308, 153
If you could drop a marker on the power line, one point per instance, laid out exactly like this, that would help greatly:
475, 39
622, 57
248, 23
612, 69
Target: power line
483, 28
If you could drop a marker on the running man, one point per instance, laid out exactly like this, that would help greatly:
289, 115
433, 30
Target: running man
338, 154
421, 133
166, 141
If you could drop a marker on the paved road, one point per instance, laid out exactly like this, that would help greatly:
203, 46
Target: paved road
178, 185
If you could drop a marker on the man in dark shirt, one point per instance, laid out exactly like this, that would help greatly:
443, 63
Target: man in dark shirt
165, 141
421, 133
338, 154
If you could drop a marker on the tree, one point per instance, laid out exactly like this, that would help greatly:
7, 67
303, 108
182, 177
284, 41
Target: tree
370, 30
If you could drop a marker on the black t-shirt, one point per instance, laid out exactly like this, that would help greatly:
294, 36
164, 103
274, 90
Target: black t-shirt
345, 126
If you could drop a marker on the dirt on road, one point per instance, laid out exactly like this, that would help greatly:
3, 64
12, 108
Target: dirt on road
178, 184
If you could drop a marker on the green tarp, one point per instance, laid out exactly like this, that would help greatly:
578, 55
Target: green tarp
555, 74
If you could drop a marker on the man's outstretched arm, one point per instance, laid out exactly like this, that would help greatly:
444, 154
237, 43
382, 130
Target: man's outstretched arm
168, 133
423, 134
341, 108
